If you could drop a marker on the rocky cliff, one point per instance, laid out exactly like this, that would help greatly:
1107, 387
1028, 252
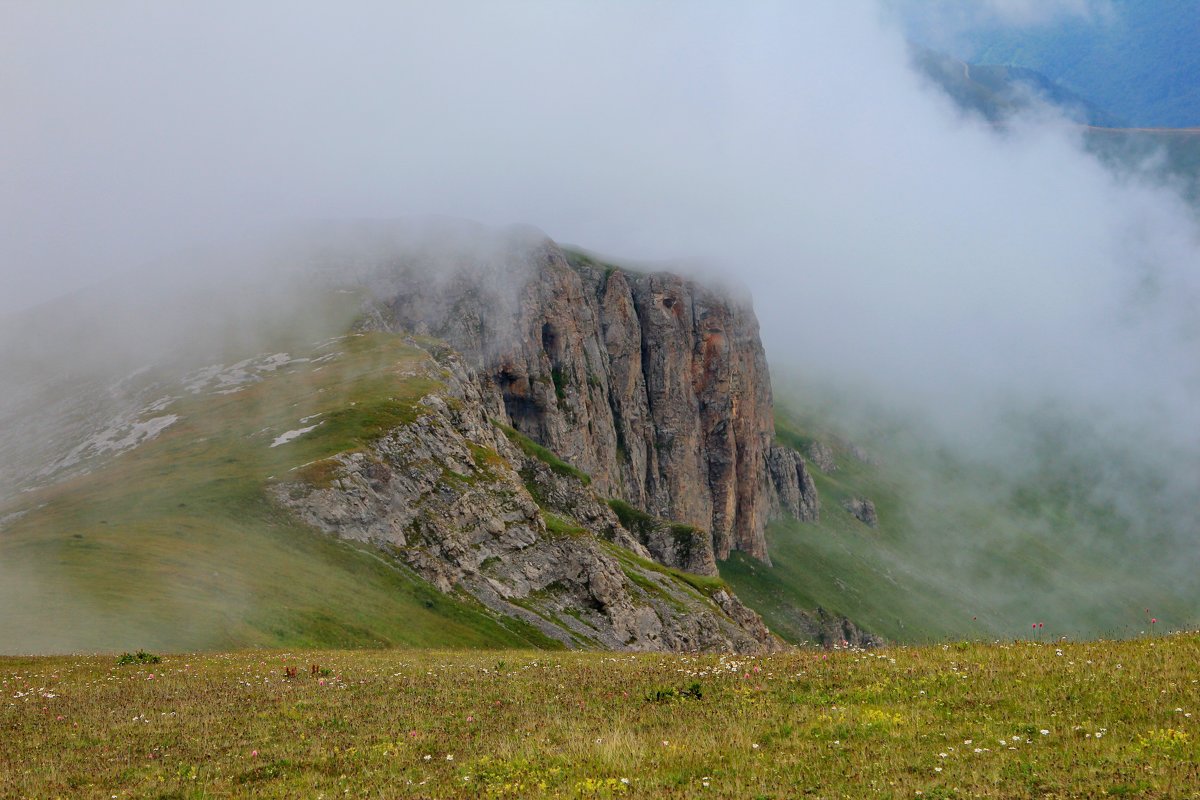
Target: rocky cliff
654, 385
473, 508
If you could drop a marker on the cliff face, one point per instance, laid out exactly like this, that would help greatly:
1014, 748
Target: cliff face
466, 508
652, 384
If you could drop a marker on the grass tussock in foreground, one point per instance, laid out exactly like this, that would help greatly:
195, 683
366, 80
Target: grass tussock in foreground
1014, 720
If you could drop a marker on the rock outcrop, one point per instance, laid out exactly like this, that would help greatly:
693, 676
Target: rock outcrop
832, 631
654, 385
795, 491
821, 456
863, 510
456, 500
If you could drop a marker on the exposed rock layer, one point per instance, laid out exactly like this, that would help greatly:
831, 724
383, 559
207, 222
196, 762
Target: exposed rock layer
654, 385
452, 497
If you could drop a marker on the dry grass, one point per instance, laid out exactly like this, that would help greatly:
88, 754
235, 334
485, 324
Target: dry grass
962, 720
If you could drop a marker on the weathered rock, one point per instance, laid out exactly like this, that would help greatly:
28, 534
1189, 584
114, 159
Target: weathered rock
673, 544
654, 385
795, 492
863, 510
820, 455
860, 453
834, 632
450, 496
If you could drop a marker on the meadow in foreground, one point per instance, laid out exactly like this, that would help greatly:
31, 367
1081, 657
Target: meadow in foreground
1023, 719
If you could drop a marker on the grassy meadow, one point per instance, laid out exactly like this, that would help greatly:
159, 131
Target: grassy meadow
1015, 720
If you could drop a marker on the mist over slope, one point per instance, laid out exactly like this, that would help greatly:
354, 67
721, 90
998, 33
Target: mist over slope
981, 285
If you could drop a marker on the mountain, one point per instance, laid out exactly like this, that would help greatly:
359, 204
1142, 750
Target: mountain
1138, 60
446, 435
997, 92
470, 441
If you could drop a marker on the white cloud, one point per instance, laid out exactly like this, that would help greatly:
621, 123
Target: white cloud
887, 237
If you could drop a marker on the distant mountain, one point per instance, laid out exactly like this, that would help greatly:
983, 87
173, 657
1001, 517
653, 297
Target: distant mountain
1138, 60
998, 91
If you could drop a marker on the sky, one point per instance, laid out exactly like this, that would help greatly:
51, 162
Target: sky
887, 239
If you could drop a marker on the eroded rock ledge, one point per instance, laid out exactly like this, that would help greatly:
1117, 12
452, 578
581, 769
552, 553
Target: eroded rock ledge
654, 385
453, 497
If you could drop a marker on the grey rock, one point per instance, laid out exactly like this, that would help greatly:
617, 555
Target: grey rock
450, 496
863, 510
653, 384
795, 491
821, 456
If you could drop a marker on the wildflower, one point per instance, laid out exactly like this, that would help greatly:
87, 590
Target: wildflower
1044, 732
625, 781
449, 757
755, 745
427, 757
937, 769
254, 754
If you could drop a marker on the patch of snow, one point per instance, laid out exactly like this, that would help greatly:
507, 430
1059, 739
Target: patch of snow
327, 357
121, 434
311, 416
158, 405
284, 438
220, 379
13, 517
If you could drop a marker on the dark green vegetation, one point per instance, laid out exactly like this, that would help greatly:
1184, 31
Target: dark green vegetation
1024, 720
535, 450
140, 657
639, 522
967, 549
175, 544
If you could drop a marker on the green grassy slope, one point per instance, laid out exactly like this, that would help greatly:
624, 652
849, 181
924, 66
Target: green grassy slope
962, 550
174, 545
1027, 720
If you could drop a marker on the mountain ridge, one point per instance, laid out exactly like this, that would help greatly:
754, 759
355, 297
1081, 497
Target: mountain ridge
403, 450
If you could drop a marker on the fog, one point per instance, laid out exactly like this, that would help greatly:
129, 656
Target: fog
895, 247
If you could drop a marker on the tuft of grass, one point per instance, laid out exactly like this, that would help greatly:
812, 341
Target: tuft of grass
633, 519
1006, 720
535, 450
703, 584
140, 657
559, 526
